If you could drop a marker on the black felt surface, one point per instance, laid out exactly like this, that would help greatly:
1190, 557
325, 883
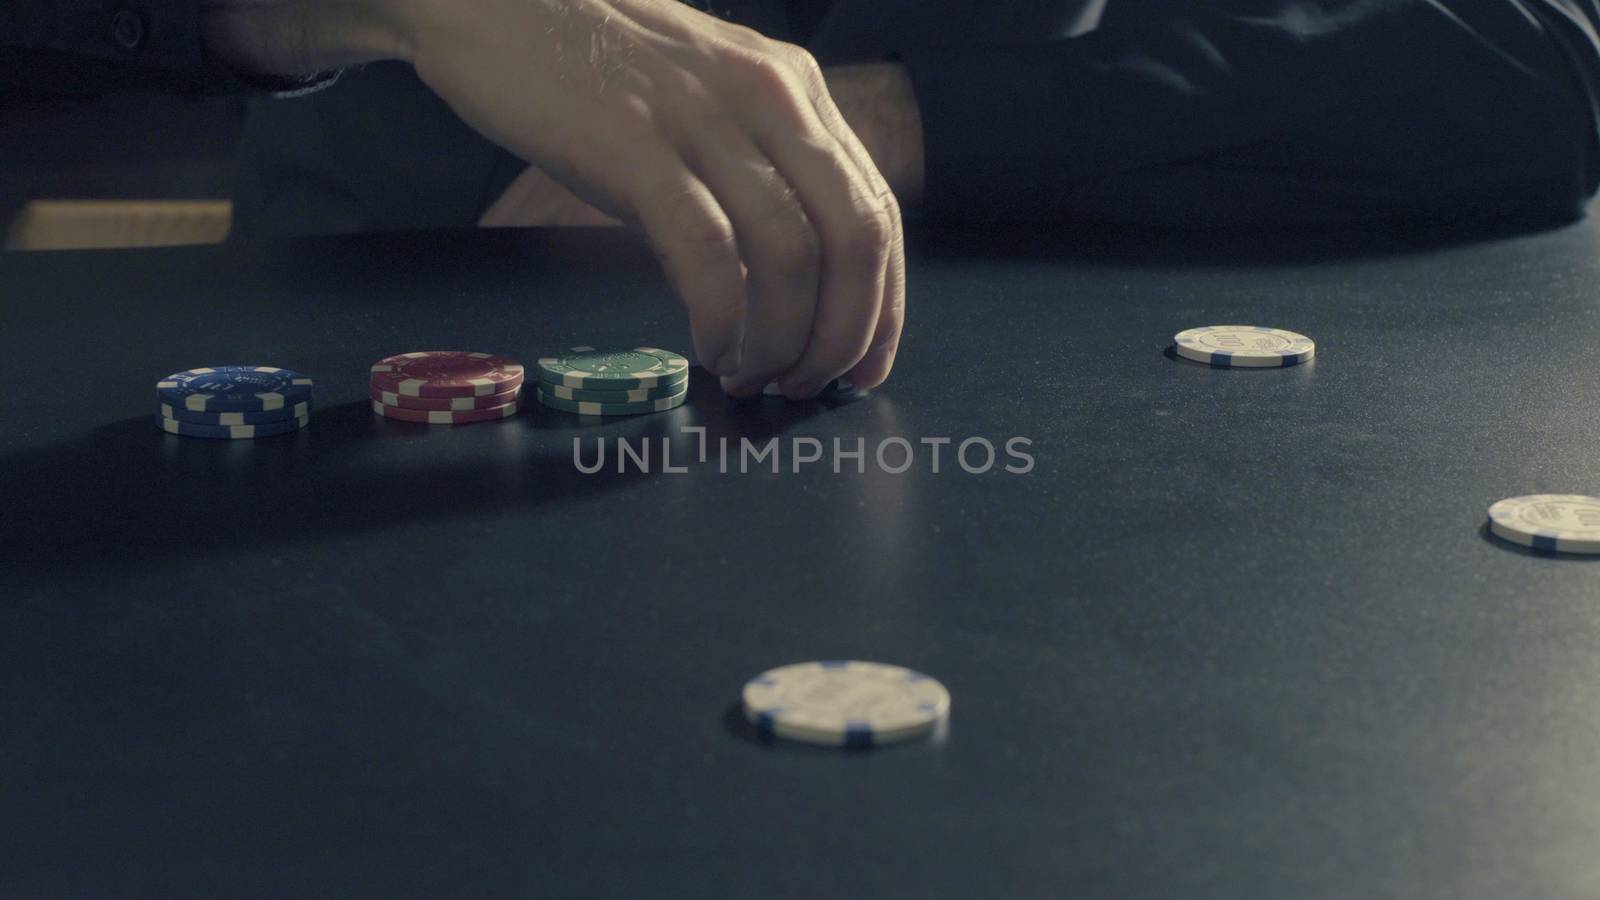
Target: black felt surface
1237, 633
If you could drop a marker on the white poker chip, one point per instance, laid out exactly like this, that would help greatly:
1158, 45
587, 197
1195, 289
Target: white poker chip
1563, 523
845, 703
1243, 345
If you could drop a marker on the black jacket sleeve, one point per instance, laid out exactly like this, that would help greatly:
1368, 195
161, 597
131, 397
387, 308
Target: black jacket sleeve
55, 49
1265, 111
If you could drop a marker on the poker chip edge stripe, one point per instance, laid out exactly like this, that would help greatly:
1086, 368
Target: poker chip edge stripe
1234, 361
230, 432
446, 416
585, 408
452, 404
1300, 349
634, 395
220, 419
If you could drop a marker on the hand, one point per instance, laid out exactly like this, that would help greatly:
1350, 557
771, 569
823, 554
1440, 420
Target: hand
721, 146
877, 103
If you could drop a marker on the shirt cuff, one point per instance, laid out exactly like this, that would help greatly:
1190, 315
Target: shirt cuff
88, 47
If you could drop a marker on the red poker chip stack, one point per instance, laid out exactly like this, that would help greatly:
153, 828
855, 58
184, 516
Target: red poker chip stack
445, 387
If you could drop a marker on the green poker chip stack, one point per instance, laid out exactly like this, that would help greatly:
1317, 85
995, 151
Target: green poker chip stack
593, 382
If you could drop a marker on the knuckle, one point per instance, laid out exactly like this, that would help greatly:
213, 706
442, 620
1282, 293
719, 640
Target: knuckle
716, 311
700, 228
837, 350
791, 360
888, 337
760, 71
772, 351
891, 207
687, 97
769, 80
817, 368
802, 63
635, 117
793, 248
869, 237
829, 362
745, 36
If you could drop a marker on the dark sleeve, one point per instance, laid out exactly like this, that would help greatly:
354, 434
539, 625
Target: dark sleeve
1408, 101
53, 49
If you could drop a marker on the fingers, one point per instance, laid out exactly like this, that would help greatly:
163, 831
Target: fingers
768, 218
778, 246
874, 367
854, 228
855, 233
698, 249
776, 95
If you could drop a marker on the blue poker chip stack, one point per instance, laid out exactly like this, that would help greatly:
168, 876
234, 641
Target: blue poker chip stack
233, 402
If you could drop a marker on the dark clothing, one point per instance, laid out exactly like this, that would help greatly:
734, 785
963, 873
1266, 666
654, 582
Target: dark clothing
1174, 112
57, 49
1168, 112
1263, 112
377, 150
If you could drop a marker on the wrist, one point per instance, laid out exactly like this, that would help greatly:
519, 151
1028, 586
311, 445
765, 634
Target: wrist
880, 106
296, 37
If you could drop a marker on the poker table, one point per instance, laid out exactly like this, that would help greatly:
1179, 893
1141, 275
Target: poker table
1226, 633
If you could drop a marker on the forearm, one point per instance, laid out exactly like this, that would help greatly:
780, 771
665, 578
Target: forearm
302, 37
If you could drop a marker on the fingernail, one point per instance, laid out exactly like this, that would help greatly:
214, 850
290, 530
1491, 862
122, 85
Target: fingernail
729, 363
803, 389
731, 385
